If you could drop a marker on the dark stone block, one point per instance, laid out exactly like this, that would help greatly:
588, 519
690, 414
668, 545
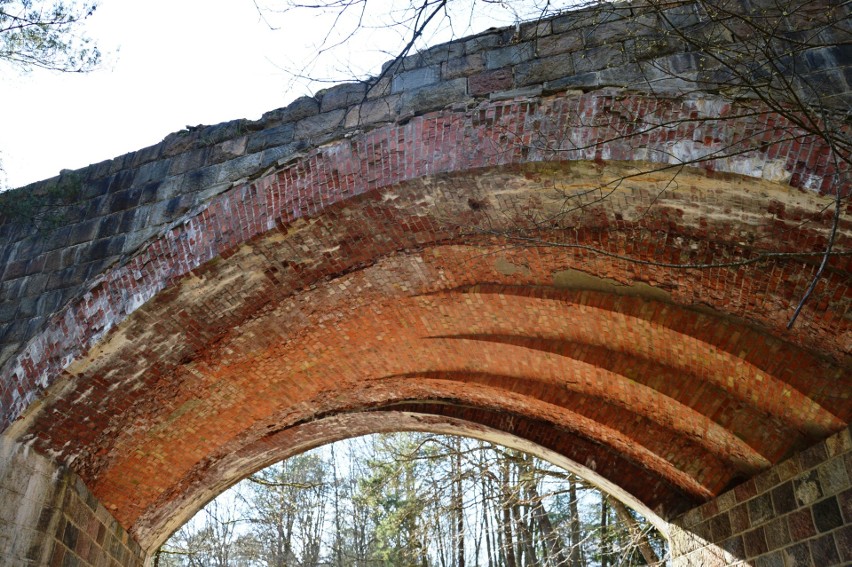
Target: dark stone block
415, 78
297, 110
812, 456
844, 499
7, 310
152, 172
15, 270
833, 476
599, 58
760, 509
823, 551
341, 96
71, 561
57, 238
783, 498
720, 527
83, 232
200, 179
121, 180
463, 66
843, 539
50, 302
766, 480
541, 70
319, 124
123, 200
127, 221
93, 188
755, 542
434, 97
271, 137
69, 536
189, 161
801, 524
827, 515
777, 535
556, 44
149, 192
770, 560
109, 226
510, 55
734, 546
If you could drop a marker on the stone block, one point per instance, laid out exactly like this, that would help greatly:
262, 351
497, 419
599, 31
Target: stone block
229, 149
319, 124
83, 232
153, 171
844, 500
509, 55
463, 66
271, 137
599, 58
827, 515
812, 456
824, 551
343, 96
415, 78
435, 96
777, 534
843, 540
720, 527
483, 42
770, 560
299, 109
800, 524
783, 498
490, 81
833, 476
189, 161
558, 44
755, 542
541, 70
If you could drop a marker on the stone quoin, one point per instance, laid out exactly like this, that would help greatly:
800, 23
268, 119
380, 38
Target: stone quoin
538, 235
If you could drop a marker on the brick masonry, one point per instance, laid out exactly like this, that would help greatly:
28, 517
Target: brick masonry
172, 315
798, 513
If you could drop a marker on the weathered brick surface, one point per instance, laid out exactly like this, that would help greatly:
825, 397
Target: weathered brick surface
804, 533
188, 310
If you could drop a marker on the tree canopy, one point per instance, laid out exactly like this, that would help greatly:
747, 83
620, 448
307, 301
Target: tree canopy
47, 34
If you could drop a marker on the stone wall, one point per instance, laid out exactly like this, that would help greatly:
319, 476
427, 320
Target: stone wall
49, 517
797, 513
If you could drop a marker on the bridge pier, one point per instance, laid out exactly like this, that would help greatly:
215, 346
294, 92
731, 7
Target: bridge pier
49, 517
799, 512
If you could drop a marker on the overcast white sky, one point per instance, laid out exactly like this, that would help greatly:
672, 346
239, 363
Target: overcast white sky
169, 64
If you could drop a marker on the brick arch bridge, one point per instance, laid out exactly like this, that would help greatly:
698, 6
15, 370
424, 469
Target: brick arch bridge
480, 242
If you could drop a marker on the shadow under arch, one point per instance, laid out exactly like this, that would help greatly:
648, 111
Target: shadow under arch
387, 420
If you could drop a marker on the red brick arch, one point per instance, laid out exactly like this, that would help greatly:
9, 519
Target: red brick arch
375, 274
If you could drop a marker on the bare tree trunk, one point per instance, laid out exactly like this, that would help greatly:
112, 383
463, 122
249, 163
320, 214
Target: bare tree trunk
576, 556
636, 534
551, 539
458, 503
604, 534
508, 539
